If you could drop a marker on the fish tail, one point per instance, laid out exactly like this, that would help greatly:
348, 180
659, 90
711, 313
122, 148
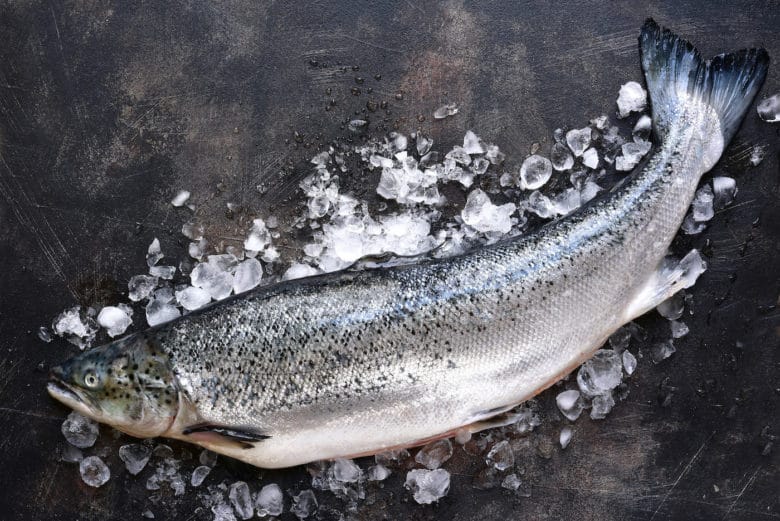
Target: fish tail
676, 73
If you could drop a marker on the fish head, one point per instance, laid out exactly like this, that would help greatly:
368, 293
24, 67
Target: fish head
127, 384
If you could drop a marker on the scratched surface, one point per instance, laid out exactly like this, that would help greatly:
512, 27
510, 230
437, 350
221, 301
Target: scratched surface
107, 109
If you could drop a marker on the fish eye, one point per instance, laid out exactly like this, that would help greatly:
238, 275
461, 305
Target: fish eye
91, 379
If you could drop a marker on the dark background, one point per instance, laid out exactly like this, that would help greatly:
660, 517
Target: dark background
108, 108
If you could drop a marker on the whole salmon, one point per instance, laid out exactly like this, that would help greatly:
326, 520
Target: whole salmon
356, 363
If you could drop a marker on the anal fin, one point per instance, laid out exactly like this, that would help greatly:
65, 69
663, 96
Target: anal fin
222, 435
670, 277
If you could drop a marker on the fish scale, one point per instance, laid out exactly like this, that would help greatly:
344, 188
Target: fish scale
355, 363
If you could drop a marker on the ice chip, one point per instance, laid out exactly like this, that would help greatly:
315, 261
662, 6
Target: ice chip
601, 406
94, 472
643, 128
298, 270
345, 470
180, 198
114, 319
79, 430
535, 172
135, 456
484, 216
241, 500
480, 165
163, 272
434, 454
757, 155
702, 206
472, 144
511, 482
258, 237
724, 189
565, 436
442, 112
578, 140
223, 512
560, 157
424, 145
428, 486
671, 308
158, 312
690, 226
304, 504
43, 334
501, 456
377, 473
541, 205
269, 501
209, 277
602, 373
79, 330
199, 474
769, 109
662, 350
590, 158
632, 98
154, 253
247, 276
632, 154
569, 404
629, 362
192, 230
679, 329
192, 298
140, 287
494, 155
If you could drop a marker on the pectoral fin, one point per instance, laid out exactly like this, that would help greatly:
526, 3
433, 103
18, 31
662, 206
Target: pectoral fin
224, 435
671, 277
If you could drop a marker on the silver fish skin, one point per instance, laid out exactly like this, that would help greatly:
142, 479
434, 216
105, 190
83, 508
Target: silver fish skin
356, 363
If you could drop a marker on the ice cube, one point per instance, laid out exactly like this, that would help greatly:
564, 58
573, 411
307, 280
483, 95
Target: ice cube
424, 145
535, 172
298, 270
114, 319
578, 140
690, 226
399, 141
247, 276
192, 230
629, 362
197, 250
258, 237
377, 473
541, 205
643, 128
662, 350
304, 504
428, 486
158, 312
71, 454
79, 430
94, 472
602, 373
199, 474
135, 456
672, 308
192, 298
434, 454
757, 155
154, 253
724, 190
501, 456
480, 165
223, 512
180, 198
769, 109
140, 287
560, 157
511, 482
679, 329
269, 501
632, 98
494, 155
79, 330
472, 144
601, 406
450, 109
569, 404
620, 339
209, 277
241, 500
702, 206
484, 216
345, 470
392, 457
163, 272
590, 158
567, 201
148, 514
632, 154
565, 436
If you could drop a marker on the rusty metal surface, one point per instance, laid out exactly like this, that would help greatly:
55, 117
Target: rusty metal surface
107, 108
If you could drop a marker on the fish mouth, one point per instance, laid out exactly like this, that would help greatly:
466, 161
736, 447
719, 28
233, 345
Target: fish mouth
61, 391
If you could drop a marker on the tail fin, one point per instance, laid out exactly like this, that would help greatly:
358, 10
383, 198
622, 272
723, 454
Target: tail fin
674, 69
